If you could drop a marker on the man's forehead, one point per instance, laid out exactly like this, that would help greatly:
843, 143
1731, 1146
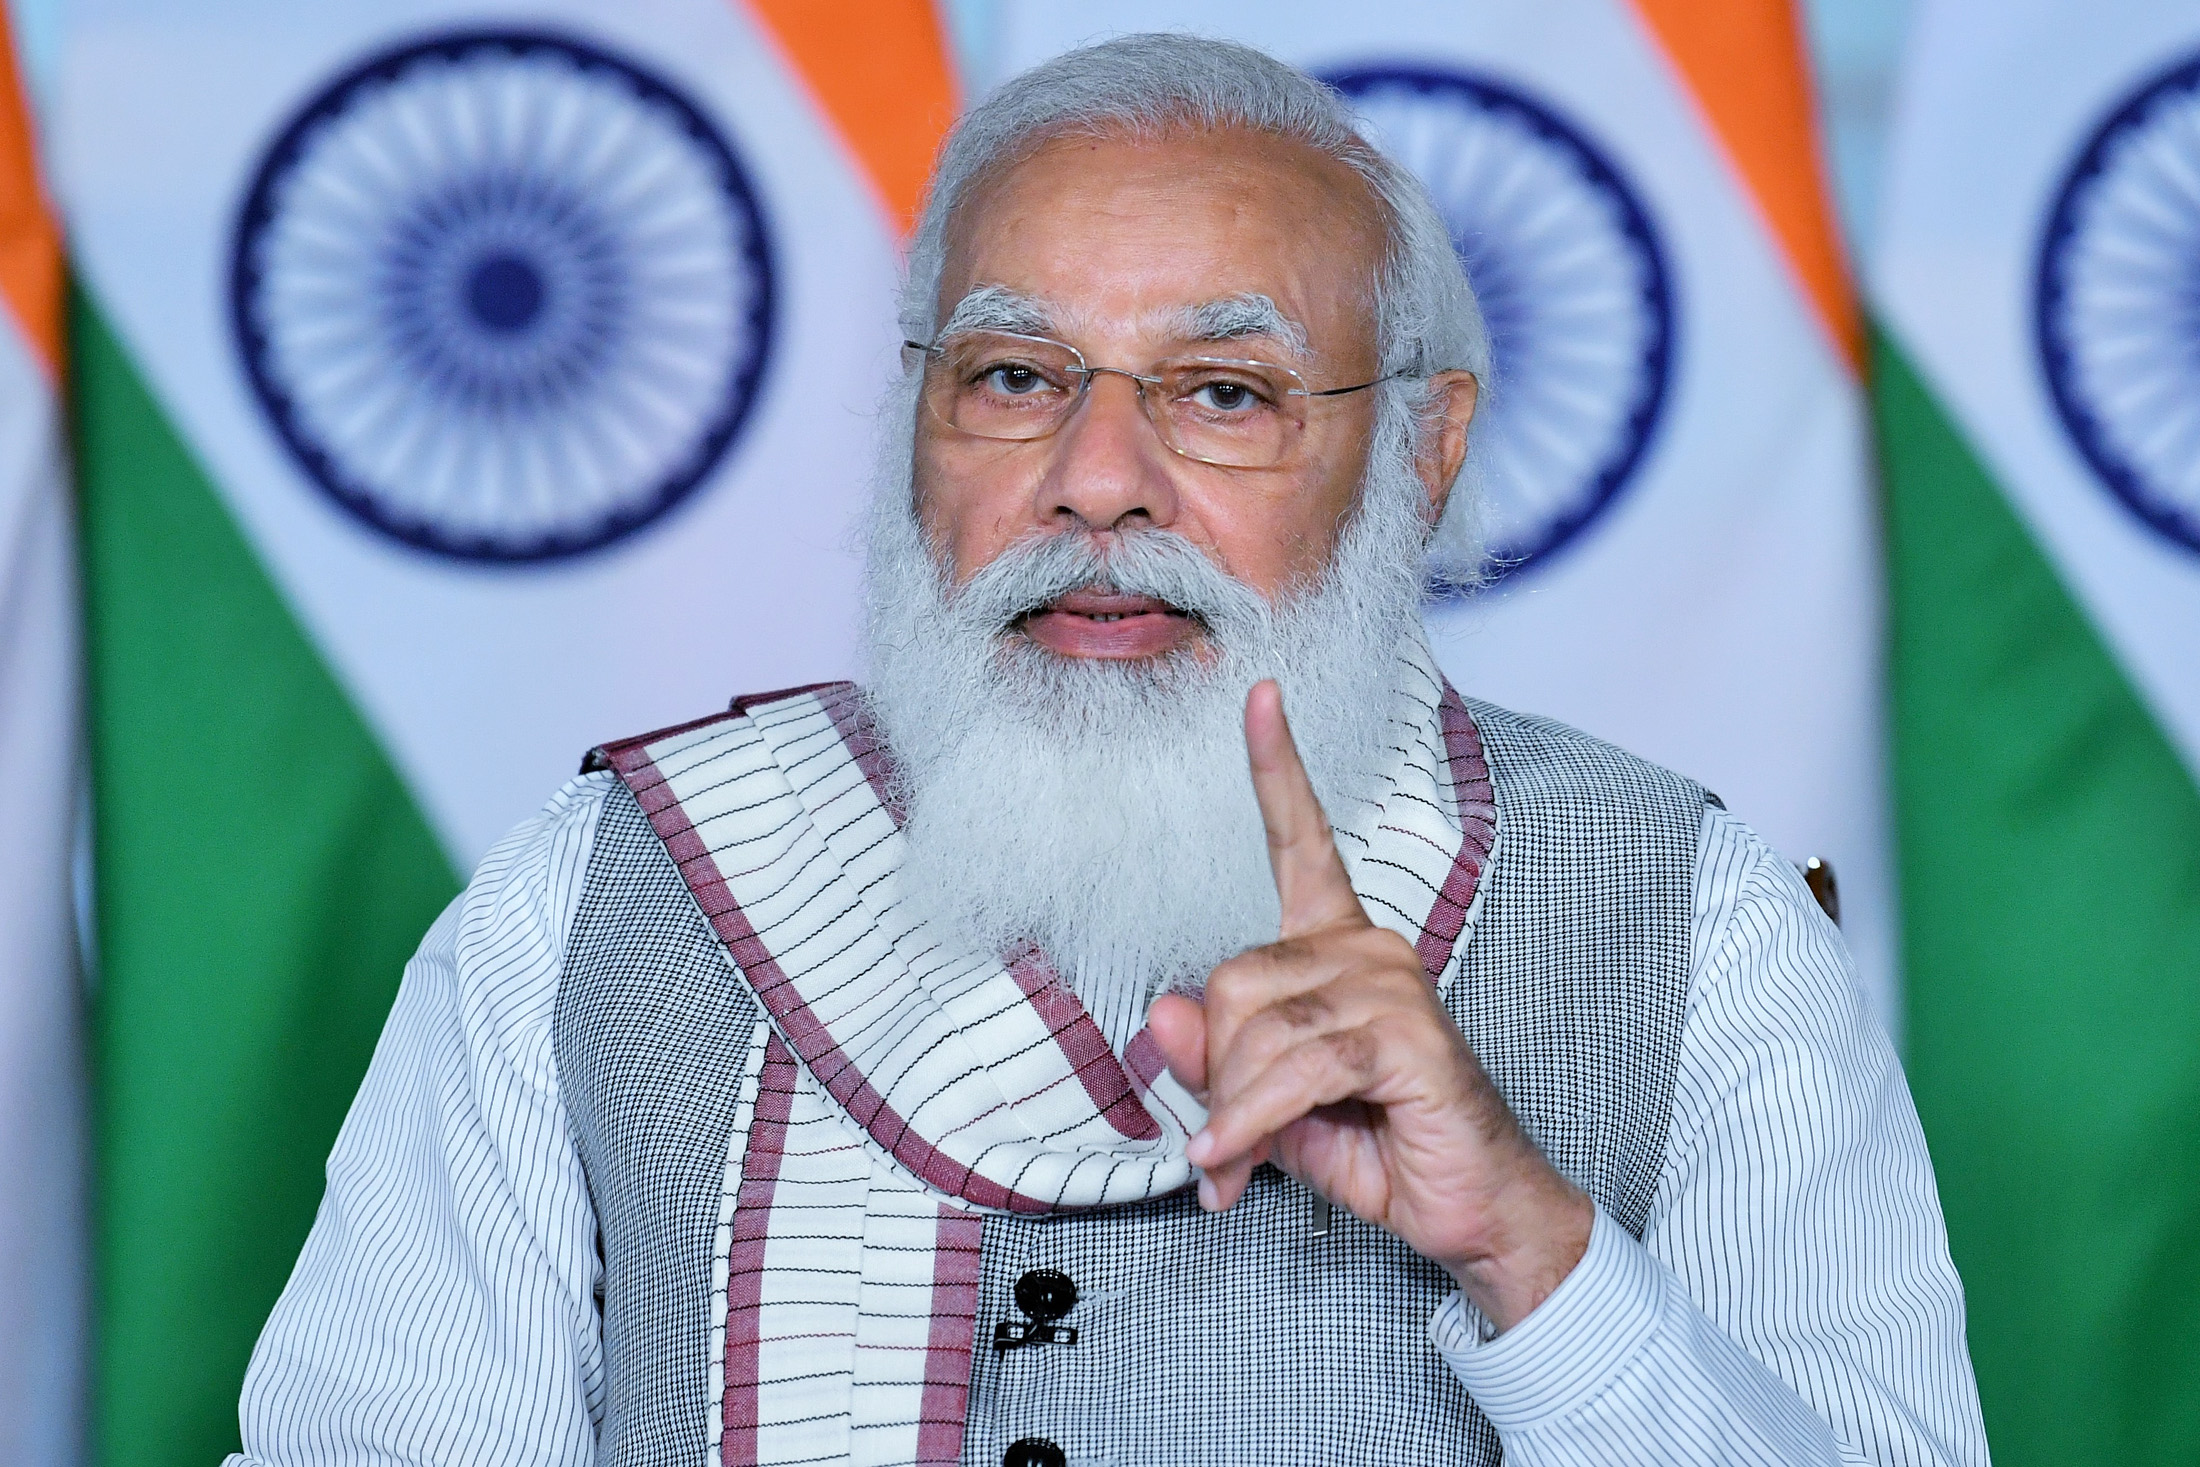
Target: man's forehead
1238, 316
1172, 235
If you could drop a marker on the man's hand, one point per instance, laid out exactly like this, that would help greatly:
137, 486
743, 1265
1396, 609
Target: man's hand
1328, 1052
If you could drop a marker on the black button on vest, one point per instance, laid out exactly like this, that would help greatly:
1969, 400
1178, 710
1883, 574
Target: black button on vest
1034, 1451
1046, 1294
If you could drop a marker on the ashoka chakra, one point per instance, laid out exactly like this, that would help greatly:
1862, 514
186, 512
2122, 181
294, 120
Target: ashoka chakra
503, 295
2117, 304
1572, 280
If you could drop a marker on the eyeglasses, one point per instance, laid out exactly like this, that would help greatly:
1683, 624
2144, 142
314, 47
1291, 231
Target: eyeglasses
1212, 410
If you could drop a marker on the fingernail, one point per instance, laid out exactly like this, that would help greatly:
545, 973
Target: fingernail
1207, 1194
1199, 1148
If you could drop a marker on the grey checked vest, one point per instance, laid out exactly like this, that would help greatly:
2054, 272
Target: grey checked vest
1233, 1339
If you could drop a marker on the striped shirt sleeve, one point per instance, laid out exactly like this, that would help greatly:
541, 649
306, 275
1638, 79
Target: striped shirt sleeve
1792, 1299
444, 1308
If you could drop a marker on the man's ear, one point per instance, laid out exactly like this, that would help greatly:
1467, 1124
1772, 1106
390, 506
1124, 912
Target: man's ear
1444, 448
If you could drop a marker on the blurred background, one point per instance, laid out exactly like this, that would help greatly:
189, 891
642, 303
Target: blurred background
397, 399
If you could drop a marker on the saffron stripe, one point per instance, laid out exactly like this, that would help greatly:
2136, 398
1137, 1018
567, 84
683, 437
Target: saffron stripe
30, 240
1744, 63
882, 82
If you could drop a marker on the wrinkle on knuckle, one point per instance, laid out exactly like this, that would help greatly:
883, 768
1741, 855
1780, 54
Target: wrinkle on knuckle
1303, 1010
1356, 1051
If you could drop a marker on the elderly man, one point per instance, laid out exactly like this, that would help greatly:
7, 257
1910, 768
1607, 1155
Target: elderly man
947, 1070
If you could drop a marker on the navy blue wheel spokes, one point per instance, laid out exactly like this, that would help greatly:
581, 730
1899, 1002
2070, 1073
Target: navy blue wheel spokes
1572, 281
2117, 303
504, 296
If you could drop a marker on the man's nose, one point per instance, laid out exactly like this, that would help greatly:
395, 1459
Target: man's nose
1109, 467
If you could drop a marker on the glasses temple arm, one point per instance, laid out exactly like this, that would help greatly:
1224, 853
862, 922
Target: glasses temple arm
1361, 386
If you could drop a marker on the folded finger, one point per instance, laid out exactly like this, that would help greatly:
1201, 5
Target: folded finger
1321, 1071
1221, 1186
1260, 1040
1331, 980
1259, 979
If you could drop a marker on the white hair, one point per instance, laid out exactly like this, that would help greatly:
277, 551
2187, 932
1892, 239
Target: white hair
1427, 320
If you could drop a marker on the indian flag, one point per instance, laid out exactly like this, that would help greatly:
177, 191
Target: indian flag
456, 387
41, 1083
1676, 447
2038, 394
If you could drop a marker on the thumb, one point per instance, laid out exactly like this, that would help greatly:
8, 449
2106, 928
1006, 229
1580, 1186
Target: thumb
1178, 1023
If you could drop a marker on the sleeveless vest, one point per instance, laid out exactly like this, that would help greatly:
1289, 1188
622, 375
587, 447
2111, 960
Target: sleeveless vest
1202, 1339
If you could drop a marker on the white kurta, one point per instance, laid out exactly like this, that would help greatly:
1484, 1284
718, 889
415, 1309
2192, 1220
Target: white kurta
1792, 1299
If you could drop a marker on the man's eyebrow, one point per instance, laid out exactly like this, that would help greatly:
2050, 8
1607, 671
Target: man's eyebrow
1227, 318
997, 308
1236, 316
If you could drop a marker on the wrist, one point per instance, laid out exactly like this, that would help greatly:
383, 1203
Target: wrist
1573, 1350
1539, 1231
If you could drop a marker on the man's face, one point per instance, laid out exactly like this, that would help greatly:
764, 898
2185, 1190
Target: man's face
1120, 244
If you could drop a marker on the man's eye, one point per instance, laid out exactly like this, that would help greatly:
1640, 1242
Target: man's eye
1014, 379
1227, 396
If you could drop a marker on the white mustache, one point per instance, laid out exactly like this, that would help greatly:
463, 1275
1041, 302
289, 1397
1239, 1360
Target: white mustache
1161, 564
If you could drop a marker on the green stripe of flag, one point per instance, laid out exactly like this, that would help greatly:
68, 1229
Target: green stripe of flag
2050, 850
263, 875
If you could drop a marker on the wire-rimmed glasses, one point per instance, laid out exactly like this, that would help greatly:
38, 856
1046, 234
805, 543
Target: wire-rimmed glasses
1213, 410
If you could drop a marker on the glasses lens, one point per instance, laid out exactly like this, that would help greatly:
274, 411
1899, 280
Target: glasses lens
994, 385
1240, 414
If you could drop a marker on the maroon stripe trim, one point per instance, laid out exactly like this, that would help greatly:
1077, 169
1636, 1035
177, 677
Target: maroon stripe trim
1143, 1055
1084, 1046
752, 1212
946, 1401
1143, 1058
806, 1034
1471, 792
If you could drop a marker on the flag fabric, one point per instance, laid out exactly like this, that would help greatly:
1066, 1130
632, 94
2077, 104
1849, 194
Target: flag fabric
41, 1080
2038, 396
1675, 447
457, 387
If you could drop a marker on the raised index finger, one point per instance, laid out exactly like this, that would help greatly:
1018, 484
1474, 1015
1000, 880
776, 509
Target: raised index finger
1310, 877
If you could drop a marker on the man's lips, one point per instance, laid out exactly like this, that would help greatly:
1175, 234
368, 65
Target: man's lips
1109, 624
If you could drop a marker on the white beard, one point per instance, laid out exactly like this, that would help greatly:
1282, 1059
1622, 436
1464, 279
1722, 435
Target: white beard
1103, 810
